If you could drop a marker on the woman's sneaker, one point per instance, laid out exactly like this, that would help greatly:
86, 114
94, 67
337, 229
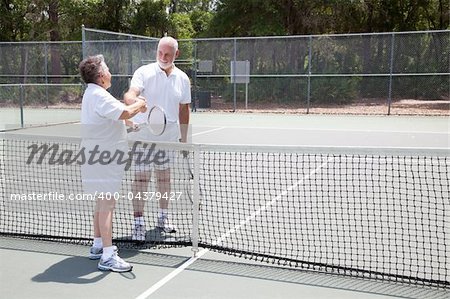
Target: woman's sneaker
114, 264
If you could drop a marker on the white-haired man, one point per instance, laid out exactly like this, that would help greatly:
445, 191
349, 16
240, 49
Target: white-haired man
163, 84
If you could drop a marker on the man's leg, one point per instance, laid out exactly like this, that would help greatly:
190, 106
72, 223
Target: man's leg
138, 188
163, 185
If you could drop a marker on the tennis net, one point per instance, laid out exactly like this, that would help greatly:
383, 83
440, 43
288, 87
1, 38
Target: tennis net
375, 213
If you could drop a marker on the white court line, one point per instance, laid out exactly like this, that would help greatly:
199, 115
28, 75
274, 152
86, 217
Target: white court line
329, 130
270, 203
208, 131
171, 275
202, 252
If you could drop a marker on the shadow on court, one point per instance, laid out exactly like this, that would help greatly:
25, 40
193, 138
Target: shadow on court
74, 269
264, 272
78, 269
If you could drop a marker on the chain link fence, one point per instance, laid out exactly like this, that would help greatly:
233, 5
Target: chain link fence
391, 73
378, 73
39, 83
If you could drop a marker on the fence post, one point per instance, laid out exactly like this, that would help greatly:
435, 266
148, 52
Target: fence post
83, 42
308, 100
21, 99
46, 73
194, 78
234, 74
130, 56
391, 70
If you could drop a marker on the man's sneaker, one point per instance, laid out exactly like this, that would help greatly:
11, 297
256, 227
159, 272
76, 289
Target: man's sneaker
165, 226
114, 264
138, 233
95, 252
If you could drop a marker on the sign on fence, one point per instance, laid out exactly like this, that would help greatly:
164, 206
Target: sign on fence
240, 74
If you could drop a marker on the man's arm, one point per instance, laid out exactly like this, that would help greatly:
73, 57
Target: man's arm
131, 96
184, 121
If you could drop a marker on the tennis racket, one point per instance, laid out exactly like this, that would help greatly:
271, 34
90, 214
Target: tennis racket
156, 122
189, 181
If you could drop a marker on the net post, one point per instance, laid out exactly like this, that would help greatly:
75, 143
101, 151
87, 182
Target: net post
196, 201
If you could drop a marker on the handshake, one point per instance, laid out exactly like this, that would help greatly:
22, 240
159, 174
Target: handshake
142, 102
139, 106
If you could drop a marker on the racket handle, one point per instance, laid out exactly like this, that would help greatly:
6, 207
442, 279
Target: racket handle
134, 128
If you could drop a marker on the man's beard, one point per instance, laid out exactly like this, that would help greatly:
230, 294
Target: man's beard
166, 65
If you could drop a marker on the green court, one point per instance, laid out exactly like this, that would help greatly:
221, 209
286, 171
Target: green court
288, 189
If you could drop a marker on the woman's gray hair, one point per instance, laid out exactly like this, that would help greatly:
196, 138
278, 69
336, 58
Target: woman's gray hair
91, 68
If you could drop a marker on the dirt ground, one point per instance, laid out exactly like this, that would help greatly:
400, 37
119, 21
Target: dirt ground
365, 106
362, 107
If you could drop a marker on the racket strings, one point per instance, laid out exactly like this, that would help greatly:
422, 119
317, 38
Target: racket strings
157, 121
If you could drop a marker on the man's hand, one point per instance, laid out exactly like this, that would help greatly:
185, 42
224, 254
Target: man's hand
142, 99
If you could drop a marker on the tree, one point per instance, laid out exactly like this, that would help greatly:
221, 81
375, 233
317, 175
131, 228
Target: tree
115, 15
294, 17
62, 19
246, 18
198, 11
13, 24
200, 21
150, 18
189, 6
181, 26
55, 55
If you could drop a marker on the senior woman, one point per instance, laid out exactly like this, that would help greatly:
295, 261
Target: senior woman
104, 132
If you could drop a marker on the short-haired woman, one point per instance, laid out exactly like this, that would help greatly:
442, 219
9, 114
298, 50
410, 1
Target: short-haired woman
103, 127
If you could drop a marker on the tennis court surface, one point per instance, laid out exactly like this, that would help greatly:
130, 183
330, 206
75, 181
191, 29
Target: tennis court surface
281, 206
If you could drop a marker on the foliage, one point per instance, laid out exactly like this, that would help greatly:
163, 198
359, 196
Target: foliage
62, 19
293, 17
150, 19
181, 26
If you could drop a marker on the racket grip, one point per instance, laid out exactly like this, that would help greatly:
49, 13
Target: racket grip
133, 128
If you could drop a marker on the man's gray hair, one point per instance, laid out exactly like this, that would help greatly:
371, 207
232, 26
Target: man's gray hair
169, 40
